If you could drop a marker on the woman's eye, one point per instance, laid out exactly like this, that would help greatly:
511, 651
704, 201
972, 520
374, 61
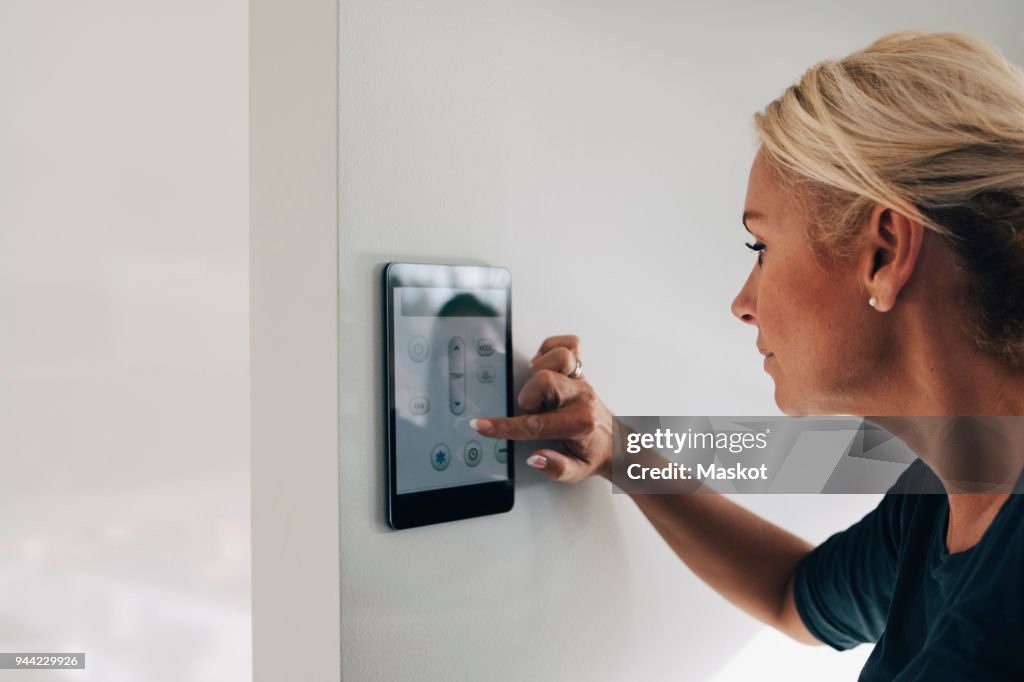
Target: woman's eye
759, 248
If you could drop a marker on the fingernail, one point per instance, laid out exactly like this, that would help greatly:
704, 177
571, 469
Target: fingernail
480, 424
537, 461
535, 358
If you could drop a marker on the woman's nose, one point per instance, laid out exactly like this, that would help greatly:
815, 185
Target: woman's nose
744, 306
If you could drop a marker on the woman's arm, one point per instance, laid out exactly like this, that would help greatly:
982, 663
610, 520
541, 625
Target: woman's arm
743, 557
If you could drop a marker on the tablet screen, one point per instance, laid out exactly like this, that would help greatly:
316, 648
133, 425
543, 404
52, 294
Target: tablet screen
449, 366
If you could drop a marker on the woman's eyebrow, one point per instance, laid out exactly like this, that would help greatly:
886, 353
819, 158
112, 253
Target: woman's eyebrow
751, 214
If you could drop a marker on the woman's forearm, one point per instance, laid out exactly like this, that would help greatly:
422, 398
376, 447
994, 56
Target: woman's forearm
744, 557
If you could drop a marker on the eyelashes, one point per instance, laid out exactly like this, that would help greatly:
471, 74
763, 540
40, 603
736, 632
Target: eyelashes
757, 247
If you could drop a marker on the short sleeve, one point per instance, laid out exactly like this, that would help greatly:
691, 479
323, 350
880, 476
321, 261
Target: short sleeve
844, 586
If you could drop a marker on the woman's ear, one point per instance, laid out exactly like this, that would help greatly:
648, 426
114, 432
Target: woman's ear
892, 246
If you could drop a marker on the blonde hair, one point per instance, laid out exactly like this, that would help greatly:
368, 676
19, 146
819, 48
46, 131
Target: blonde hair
930, 125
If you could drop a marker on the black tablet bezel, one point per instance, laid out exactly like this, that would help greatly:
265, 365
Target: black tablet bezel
414, 509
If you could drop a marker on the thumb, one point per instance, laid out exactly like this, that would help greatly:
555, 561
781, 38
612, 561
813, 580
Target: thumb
557, 466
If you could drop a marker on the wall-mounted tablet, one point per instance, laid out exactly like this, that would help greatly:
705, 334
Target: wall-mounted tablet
448, 359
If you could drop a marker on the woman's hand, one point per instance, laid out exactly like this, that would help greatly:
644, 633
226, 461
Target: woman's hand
559, 407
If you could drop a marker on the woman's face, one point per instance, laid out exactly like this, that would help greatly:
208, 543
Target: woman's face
820, 345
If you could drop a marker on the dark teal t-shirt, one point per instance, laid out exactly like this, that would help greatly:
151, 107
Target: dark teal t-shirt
935, 616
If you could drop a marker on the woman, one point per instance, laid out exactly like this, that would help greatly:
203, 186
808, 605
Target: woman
887, 205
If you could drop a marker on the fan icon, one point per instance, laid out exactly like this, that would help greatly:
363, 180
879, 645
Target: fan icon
440, 457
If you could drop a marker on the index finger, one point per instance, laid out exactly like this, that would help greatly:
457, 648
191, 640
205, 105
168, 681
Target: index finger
548, 425
570, 341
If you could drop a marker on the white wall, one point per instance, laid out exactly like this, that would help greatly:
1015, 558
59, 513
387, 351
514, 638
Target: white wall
599, 150
294, 247
124, 361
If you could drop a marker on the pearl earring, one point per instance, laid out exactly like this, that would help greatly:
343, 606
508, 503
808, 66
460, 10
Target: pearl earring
873, 302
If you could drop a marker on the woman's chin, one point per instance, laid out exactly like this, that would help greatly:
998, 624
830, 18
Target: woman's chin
789, 405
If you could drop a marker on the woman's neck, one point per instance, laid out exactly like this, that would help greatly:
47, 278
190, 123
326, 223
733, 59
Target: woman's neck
963, 414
